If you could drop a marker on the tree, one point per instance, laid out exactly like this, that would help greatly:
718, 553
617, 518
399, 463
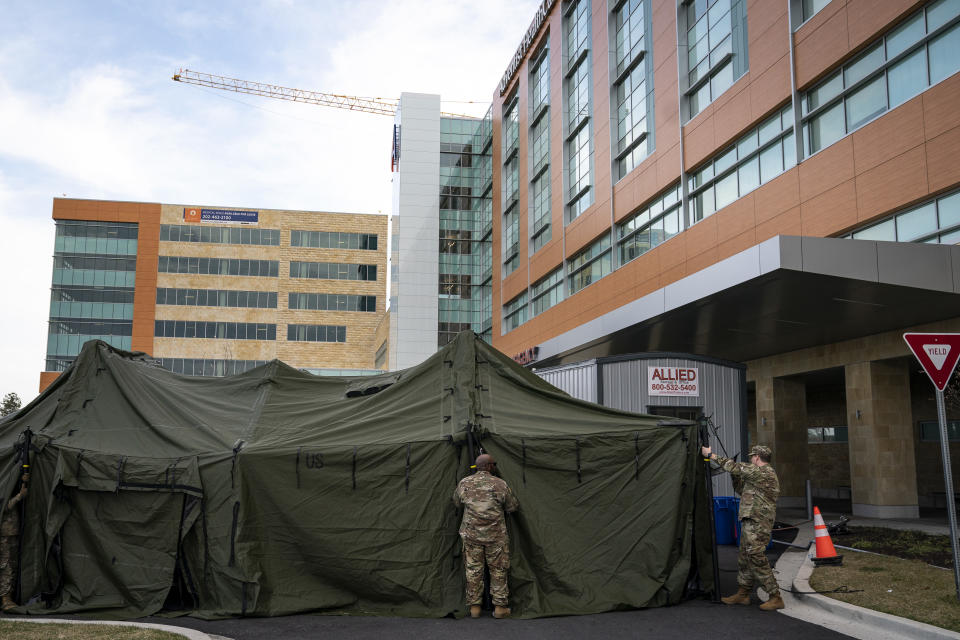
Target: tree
11, 403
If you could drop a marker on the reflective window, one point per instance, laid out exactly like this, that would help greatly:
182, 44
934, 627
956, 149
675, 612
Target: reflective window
316, 333
218, 266
578, 108
540, 210
936, 221
546, 293
217, 298
633, 85
907, 60
219, 235
590, 265
215, 330
334, 239
515, 313
653, 224
757, 157
716, 49
333, 271
208, 367
332, 302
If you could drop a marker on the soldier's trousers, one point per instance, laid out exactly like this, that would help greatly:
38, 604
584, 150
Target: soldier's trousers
8, 564
496, 555
752, 564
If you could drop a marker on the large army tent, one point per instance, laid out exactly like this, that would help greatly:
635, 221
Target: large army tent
276, 491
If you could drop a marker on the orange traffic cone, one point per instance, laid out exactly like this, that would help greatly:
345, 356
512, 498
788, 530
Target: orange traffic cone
826, 554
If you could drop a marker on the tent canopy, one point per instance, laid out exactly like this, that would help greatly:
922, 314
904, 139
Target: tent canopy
276, 491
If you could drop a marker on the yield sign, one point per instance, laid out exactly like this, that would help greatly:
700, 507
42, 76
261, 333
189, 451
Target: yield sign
937, 352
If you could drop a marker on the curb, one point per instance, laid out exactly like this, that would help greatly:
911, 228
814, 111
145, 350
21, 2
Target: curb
868, 617
191, 634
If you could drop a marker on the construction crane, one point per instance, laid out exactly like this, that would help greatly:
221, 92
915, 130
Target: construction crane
380, 106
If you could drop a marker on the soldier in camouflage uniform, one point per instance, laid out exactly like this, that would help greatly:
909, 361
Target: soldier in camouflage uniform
758, 486
9, 531
485, 499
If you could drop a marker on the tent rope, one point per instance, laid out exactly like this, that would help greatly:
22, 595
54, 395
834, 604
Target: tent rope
354, 468
579, 478
406, 488
636, 456
297, 467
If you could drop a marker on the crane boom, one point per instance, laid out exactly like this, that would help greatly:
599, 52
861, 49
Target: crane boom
381, 106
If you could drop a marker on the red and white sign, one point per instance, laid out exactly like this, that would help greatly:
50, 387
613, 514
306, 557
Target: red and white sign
937, 352
673, 381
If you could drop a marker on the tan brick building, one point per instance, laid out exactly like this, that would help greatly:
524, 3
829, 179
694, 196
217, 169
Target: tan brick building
772, 183
214, 291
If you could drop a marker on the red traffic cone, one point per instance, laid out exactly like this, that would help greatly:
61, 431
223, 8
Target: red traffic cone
826, 554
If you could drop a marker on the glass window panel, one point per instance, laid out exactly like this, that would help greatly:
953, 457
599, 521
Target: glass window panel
866, 103
919, 222
747, 145
883, 231
725, 161
749, 175
907, 78
825, 129
940, 13
770, 129
726, 190
867, 63
771, 163
900, 39
789, 151
823, 93
949, 210
722, 81
944, 60
950, 238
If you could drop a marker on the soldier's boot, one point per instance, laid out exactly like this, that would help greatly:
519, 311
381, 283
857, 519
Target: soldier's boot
7, 604
775, 602
501, 612
474, 611
740, 597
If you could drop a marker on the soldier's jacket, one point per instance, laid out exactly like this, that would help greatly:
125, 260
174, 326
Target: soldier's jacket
10, 525
485, 498
758, 487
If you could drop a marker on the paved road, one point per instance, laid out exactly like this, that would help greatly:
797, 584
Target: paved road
691, 619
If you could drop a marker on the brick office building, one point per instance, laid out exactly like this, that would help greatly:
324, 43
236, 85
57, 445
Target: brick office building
218, 291
772, 183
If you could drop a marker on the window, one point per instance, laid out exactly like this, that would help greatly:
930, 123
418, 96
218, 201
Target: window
208, 367
590, 265
219, 235
578, 109
907, 60
654, 224
515, 313
716, 49
540, 218
511, 241
633, 85
803, 10
819, 435
316, 333
333, 271
332, 302
760, 155
334, 240
546, 293
930, 431
215, 330
217, 298
218, 266
935, 221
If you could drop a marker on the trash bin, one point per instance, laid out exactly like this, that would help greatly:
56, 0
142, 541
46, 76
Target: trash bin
725, 519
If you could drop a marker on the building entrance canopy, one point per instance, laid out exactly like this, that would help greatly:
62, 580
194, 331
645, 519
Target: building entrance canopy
784, 294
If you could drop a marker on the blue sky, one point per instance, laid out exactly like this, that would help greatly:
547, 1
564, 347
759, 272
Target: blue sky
88, 110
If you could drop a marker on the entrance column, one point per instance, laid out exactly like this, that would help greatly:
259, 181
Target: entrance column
782, 425
883, 474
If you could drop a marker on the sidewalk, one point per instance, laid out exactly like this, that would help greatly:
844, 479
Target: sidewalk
190, 634
793, 571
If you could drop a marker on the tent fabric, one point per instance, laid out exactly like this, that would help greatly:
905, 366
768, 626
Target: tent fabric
276, 491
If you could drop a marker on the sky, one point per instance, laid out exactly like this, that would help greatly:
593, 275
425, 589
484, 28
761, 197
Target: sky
88, 109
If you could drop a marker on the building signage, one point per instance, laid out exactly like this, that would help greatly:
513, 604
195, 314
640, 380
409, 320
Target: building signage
194, 214
673, 381
527, 355
542, 11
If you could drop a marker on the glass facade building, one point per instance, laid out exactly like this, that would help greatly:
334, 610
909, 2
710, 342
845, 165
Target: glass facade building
91, 296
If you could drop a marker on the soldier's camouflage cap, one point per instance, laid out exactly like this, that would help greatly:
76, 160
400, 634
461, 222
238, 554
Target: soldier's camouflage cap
760, 450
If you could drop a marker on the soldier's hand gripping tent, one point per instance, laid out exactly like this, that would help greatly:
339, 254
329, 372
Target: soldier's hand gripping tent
275, 491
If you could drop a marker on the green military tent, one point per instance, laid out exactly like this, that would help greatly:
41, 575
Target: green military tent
275, 491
